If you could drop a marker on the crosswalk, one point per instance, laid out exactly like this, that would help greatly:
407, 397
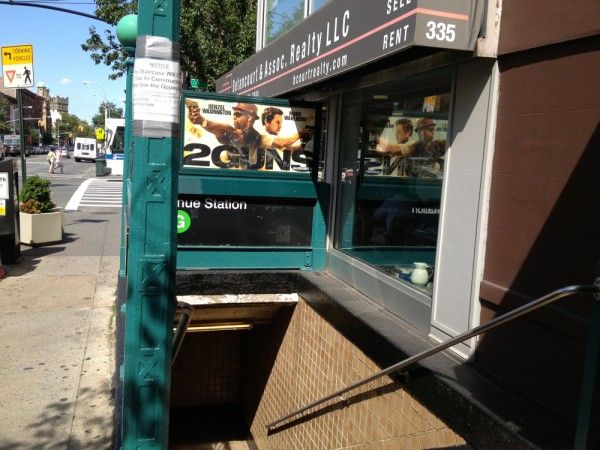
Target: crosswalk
95, 193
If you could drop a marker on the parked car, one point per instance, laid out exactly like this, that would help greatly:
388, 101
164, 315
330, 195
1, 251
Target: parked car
2, 151
15, 150
64, 152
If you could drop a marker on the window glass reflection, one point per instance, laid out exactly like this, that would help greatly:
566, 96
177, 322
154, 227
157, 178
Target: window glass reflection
317, 4
281, 16
392, 155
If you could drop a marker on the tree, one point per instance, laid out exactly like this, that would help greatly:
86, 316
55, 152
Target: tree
35, 135
71, 126
4, 125
216, 35
47, 138
108, 50
113, 111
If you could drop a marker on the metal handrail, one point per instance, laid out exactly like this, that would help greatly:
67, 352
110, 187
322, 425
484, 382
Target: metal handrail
185, 309
518, 312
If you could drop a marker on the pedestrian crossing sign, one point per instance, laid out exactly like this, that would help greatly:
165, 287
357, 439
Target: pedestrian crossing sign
17, 66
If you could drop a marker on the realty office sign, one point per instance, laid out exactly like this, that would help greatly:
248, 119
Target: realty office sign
17, 66
346, 34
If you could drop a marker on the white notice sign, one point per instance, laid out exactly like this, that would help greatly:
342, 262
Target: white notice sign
4, 185
156, 90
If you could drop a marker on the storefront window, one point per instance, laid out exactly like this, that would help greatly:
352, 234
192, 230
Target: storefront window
317, 4
281, 16
392, 152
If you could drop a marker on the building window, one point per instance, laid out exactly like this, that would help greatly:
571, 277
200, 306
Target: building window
317, 4
281, 16
391, 167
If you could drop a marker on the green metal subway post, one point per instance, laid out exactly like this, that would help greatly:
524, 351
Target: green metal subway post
127, 33
152, 239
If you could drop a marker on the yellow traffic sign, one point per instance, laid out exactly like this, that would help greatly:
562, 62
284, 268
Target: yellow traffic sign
17, 55
100, 134
17, 66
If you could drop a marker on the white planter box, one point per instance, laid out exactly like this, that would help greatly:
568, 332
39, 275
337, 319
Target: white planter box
39, 229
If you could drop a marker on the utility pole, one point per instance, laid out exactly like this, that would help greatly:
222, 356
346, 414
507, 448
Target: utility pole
22, 134
151, 256
105, 103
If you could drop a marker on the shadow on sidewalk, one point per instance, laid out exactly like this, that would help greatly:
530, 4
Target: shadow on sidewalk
56, 426
31, 256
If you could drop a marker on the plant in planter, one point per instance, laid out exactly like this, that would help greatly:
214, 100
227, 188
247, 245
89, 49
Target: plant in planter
35, 196
40, 221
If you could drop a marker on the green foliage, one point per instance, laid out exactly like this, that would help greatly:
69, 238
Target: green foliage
114, 112
4, 125
71, 126
47, 138
35, 196
35, 136
107, 50
216, 35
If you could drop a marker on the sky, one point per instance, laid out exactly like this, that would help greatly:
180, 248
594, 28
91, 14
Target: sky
58, 60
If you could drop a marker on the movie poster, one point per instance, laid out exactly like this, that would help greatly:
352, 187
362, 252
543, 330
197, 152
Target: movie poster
406, 135
240, 135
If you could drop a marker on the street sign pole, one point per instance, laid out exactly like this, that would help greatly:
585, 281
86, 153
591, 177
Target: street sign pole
152, 245
17, 72
22, 134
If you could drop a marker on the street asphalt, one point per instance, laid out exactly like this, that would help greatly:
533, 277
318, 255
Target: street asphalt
57, 331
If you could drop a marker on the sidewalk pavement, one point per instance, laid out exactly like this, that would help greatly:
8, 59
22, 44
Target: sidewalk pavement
57, 324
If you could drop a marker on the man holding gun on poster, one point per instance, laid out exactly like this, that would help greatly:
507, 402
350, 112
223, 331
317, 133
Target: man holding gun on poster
242, 133
272, 120
428, 151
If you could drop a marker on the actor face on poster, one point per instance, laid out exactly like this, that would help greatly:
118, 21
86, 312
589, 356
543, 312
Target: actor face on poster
248, 136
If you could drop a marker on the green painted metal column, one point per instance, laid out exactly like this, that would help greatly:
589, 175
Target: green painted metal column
152, 241
127, 34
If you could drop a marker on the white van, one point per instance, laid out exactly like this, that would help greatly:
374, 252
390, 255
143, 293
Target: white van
85, 149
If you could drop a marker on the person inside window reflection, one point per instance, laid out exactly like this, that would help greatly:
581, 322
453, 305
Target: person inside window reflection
431, 150
404, 146
403, 129
427, 152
